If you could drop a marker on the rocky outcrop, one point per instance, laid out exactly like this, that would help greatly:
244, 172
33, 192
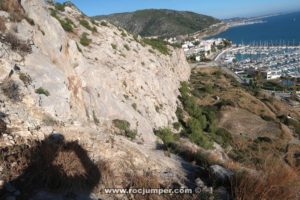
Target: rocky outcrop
97, 83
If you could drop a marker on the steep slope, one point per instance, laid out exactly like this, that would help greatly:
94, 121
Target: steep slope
114, 77
62, 73
165, 23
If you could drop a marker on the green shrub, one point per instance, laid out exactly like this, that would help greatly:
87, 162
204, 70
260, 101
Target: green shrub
53, 13
121, 124
94, 29
179, 114
43, 91
222, 137
189, 102
84, 40
176, 125
196, 134
134, 105
25, 78
86, 24
94, 22
114, 46
124, 127
131, 134
60, 7
166, 135
103, 23
124, 34
67, 24
158, 44
126, 47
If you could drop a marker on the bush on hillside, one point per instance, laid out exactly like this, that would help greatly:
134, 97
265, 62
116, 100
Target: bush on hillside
84, 40
42, 91
103, 23
126, 47
60, 7
16, 44
11, 90
124, 128
222, 137
158, 44
196, 134
86, 24
167, 136
25, 78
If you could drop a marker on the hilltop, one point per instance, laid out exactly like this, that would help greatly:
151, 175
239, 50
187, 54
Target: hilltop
155, 22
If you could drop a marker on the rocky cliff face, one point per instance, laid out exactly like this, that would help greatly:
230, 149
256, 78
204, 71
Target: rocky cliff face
115, 77
76, 81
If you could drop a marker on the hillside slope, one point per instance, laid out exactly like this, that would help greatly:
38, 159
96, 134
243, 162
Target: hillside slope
165, 23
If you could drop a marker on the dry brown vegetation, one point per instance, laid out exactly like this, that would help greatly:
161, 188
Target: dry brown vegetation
14, 8
2, 24
16, 44
12, 90
52, 164
60, 166
275, 181
255, 122
260, 129
148, 180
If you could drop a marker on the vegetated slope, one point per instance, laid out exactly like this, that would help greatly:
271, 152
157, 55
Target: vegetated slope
258, 133
252, 137
164, 23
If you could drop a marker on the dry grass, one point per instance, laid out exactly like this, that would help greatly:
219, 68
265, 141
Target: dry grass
276, 181
16, 44
150, 181
53, 165
147, 180
108, 177
14, 8
2, 24
12, 90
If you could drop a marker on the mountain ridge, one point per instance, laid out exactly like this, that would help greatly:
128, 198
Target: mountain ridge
160, 22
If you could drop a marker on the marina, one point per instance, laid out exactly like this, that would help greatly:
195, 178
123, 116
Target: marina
273, 62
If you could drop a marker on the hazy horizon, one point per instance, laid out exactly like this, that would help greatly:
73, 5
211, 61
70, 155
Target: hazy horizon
216, 8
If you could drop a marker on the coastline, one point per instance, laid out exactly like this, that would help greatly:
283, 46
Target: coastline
219, 28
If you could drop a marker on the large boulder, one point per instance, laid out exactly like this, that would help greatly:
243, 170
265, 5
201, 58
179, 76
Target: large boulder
220, 176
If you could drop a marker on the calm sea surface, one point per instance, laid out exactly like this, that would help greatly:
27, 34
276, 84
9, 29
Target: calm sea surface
283, 29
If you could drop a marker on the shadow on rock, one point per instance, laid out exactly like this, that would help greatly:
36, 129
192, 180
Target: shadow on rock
51, 166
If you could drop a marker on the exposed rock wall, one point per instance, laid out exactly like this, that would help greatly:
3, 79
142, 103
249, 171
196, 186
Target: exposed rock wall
98, 82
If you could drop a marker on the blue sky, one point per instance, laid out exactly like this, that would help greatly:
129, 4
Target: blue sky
216, 8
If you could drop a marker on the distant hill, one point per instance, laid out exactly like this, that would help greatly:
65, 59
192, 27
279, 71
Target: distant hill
165, 23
